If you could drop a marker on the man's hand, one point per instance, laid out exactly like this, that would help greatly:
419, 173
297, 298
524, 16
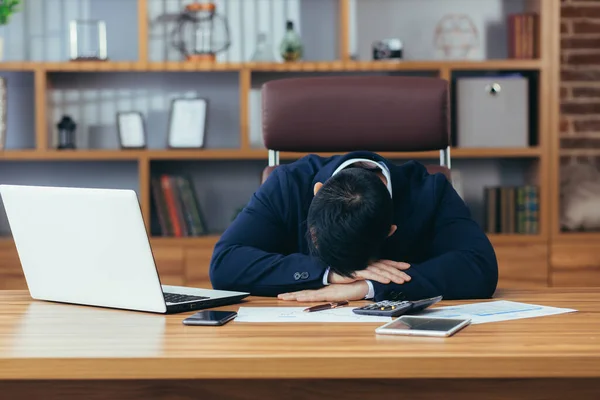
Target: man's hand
336, 292
383, 271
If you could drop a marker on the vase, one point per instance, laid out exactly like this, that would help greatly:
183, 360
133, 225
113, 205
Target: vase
291, 47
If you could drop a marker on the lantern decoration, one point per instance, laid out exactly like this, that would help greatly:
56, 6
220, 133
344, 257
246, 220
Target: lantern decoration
201, 33
66, 133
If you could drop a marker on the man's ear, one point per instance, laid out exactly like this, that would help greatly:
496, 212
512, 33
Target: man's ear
318, 186
392, 230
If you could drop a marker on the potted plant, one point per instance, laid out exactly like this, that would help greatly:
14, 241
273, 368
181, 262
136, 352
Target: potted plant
7, 8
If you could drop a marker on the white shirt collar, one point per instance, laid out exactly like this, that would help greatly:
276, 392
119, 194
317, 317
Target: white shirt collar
384, 169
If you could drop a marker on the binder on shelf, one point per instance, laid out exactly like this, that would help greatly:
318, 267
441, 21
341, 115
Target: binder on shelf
511, 209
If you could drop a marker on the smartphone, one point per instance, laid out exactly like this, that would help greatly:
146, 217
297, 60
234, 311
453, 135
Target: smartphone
210, 318
423, 326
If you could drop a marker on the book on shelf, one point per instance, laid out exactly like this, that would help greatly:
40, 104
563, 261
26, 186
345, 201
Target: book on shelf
177, 207
512, 209
523, 37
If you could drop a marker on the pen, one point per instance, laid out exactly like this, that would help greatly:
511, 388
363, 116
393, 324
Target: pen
327, 306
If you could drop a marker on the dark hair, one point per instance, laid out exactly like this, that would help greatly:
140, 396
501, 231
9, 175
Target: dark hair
349, 219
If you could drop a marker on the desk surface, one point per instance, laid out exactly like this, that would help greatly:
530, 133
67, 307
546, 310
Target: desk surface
40, 340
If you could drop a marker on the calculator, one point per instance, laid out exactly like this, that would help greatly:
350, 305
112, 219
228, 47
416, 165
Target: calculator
395, 308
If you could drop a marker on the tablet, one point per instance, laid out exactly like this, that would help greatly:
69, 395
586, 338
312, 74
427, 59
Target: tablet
423, 326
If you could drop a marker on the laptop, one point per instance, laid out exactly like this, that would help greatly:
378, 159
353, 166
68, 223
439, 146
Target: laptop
90, 247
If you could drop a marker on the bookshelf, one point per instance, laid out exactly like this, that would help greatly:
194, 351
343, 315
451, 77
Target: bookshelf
525, 259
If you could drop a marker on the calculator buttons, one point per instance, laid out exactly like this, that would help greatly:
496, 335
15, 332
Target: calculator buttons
385, 308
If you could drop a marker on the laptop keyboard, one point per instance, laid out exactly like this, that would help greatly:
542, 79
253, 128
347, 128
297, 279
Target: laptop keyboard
181, 298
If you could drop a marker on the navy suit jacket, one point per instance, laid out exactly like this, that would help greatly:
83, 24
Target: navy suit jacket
265, 250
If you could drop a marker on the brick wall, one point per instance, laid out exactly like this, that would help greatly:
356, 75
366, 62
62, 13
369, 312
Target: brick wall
580, 74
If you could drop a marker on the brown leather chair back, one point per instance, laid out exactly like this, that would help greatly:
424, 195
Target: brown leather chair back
343, 114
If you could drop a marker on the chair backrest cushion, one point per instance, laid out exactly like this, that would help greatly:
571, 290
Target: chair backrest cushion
348, 113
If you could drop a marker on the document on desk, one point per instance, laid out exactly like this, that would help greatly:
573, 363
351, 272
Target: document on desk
296, 314
495, 311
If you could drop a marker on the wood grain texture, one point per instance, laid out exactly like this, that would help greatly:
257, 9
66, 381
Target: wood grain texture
300, 389
575, 263
245, 82
544, 118
11, 274
170, 263
145, 194
142, 14
40, 340
344, 30
550, 50
522, 264
42, 139
197, 261
307, 66
246, 154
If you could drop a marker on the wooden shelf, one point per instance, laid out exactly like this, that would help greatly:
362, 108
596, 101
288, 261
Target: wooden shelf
19, 66
100, 66
200, 241
515, 238
208, 240
239, 154
580, 236
207, 154
580, 152
529, 152
396, 65
133, 155
69, 155
211, 239
306, 66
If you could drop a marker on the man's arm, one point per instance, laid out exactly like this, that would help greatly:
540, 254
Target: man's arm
250, 254
463, 263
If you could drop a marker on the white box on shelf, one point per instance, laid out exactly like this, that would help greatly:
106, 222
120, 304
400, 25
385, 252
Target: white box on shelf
492, 111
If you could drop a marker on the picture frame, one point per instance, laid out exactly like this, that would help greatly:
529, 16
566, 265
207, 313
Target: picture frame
131, 130
187, 123
3, 113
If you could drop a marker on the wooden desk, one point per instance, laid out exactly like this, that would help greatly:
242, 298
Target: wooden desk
55, 351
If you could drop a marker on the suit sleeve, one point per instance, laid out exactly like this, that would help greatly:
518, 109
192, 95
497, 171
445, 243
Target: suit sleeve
462, 263
252, 256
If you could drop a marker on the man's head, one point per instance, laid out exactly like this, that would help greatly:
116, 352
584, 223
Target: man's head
349, 219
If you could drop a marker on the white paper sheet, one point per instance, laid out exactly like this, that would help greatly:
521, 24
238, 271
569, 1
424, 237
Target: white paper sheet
494, 311
295, 314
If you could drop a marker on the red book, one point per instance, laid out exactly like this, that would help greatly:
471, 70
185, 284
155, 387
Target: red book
171, 205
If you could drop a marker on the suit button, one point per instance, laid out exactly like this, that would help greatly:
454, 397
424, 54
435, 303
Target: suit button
297, 275
304, 275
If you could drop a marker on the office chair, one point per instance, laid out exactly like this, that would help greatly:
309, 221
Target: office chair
349, 113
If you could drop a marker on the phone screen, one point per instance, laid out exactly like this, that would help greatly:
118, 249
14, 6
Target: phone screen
211, 316
207, 317
424, 324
